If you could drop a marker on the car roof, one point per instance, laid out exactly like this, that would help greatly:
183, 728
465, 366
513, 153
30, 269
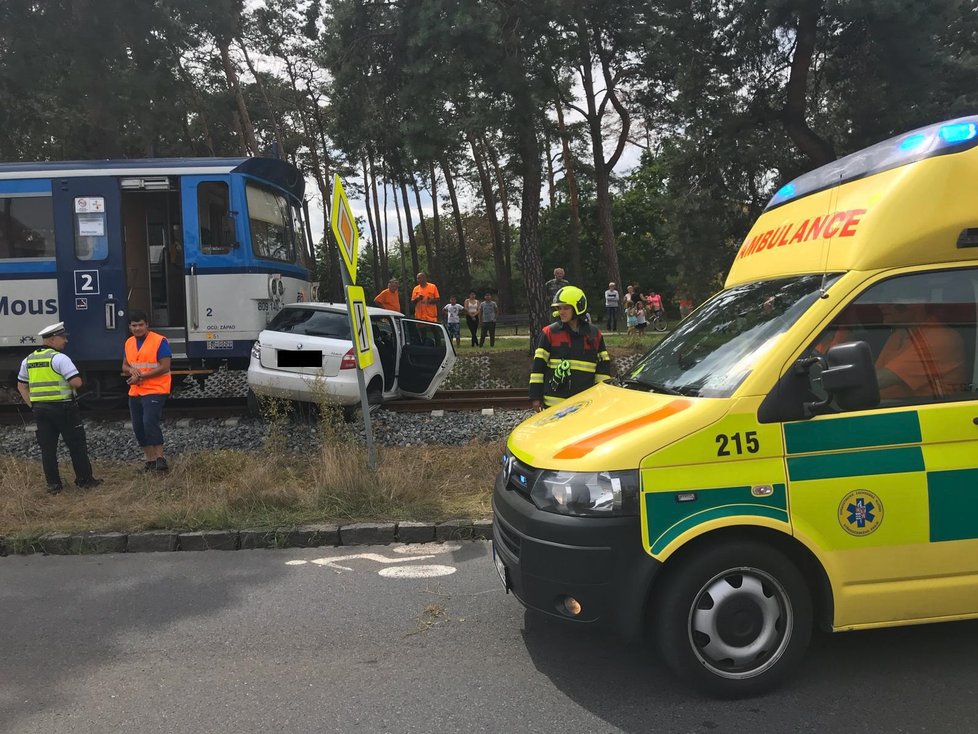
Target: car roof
340, 308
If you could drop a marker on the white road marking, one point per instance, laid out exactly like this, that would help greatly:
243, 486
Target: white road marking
416, 572
296, 563
425, 548
333, 562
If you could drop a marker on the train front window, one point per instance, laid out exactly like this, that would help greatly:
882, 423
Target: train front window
271, 231
26, 227
216, 223
304, 256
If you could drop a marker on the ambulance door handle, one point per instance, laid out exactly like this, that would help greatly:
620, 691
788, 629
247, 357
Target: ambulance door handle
975, 421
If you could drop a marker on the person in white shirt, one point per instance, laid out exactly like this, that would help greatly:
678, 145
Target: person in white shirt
472, 316
612, 301
453, 309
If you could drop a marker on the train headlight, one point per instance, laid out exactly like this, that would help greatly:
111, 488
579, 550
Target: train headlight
256, 350
590, 494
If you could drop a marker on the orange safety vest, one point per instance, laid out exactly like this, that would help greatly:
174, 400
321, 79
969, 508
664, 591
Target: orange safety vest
144, 359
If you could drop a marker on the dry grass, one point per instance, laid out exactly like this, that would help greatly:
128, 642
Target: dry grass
230, 489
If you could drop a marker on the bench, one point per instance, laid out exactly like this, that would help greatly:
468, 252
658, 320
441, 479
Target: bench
516, 320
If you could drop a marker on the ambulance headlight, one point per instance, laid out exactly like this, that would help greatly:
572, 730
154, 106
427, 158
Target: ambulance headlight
256, 350
591, 494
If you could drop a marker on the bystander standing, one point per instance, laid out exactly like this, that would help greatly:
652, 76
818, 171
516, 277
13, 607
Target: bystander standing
452, 309
488, 313
47, 382
389, 298
425, 299
146, 367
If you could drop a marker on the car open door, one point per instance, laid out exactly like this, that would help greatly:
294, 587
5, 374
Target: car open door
426, 357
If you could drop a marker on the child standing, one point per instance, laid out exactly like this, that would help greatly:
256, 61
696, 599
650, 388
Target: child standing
631, 320
640, 320
453, 309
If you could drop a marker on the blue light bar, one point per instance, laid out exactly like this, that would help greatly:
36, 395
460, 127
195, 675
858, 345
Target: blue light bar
913, 142
958, 133
943, 138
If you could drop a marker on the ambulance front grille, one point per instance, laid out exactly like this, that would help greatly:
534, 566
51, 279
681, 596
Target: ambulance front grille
507, 536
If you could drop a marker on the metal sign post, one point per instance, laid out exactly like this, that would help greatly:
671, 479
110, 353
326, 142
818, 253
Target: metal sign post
345, 228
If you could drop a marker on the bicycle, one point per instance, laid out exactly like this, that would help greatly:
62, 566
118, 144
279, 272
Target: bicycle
658, 321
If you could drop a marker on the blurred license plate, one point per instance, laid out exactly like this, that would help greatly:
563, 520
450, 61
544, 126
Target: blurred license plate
500, 568
299, 359
220, 344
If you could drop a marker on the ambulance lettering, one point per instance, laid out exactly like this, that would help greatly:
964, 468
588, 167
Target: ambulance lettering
32, 306
826, 227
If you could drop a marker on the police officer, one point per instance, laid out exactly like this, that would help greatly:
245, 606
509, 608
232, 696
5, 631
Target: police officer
47, 382
570, 355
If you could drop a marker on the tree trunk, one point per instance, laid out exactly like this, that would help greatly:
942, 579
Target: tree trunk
504, 205
248, 131
524, 121
375, 269
385, 272
429, 255
818, 150
602, 170
459, 229
272, 112
503, 288
409, 224
436, 222
551, 182
573, 200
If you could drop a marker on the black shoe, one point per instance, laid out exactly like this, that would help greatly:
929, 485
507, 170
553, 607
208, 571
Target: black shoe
148, 466
54, 489
90, 483
160, 465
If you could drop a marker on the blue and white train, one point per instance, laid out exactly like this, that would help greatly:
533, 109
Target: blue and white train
210, 248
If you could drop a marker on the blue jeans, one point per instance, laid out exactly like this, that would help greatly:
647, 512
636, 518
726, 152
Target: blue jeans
146, 411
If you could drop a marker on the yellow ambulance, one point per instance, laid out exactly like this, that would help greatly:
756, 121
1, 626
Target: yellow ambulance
802, 449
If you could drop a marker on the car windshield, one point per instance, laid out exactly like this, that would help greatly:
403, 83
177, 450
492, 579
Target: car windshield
712, 352
312, 322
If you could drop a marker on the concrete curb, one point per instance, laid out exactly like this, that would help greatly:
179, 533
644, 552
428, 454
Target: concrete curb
299, 536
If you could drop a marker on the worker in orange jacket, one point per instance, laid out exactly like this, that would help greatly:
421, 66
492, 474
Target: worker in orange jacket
146, 368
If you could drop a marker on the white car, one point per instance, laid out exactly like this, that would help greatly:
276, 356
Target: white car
306, 354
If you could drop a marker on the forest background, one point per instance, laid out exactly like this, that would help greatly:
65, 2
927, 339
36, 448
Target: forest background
509, 117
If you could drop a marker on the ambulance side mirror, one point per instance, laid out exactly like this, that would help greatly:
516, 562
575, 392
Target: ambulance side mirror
849, 376
846, 373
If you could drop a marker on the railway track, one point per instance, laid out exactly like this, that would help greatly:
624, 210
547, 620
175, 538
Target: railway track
210, 408
508, 399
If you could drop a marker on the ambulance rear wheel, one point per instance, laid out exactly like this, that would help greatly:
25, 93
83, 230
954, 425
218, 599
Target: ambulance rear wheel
734, 620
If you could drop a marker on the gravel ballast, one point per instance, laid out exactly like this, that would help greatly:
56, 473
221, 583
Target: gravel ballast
114, 441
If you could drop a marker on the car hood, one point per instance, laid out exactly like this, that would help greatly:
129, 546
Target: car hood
609, 428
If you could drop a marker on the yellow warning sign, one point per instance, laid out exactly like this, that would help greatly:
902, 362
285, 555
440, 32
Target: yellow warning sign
344, 226
356, 302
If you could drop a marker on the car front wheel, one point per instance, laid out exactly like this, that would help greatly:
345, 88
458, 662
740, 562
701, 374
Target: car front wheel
734, 620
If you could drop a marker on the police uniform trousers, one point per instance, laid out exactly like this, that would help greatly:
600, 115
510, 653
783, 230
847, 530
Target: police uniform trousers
61, 418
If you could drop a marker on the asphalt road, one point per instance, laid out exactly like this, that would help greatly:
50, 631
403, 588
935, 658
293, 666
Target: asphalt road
270, 641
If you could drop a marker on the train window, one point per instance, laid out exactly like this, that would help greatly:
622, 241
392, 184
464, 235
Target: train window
213, 213
91, 239
271, 232
302, 248
26, 227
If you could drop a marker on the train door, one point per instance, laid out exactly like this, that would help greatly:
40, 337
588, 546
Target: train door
210, 231
91, 266
153, 244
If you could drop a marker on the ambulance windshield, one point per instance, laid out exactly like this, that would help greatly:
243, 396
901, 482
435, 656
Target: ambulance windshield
711, 353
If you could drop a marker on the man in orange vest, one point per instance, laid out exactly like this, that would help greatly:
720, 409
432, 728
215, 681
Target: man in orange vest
425, 299
146, 368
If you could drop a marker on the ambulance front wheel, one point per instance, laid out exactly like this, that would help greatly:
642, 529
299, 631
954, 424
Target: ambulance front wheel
734, 620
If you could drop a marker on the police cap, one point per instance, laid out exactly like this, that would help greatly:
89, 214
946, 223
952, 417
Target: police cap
57, 329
